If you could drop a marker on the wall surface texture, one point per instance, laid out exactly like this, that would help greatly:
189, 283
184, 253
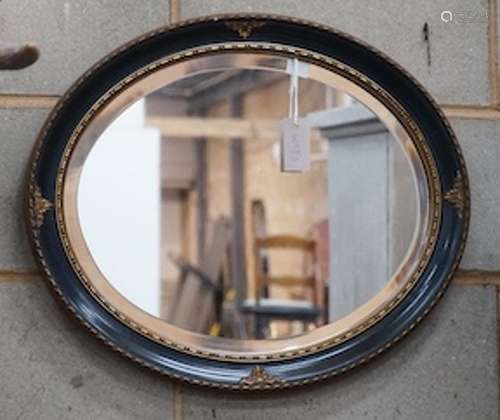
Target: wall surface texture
446, 369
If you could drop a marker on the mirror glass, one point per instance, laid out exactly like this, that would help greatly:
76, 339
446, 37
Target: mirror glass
213, 205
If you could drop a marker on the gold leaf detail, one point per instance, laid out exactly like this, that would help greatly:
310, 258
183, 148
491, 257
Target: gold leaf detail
456, 195
39, 205
260, 378
243, 27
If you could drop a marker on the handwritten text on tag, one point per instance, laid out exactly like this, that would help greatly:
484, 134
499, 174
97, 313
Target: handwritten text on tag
295, 145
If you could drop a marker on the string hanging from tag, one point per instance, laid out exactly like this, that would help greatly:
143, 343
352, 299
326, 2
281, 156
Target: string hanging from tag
293, 110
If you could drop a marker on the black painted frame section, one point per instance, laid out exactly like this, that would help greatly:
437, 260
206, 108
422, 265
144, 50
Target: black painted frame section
213, 30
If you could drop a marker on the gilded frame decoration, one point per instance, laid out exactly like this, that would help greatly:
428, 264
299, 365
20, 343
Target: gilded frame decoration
428, 129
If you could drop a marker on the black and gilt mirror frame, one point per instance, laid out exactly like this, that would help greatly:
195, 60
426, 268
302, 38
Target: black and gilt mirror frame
335, 51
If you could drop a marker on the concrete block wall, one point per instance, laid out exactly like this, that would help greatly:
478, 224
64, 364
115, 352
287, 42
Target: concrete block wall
446, 369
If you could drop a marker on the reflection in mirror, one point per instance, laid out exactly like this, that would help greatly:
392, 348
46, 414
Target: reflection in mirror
188, 212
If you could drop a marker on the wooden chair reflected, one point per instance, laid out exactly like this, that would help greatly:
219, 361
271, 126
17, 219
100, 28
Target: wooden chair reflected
266, 309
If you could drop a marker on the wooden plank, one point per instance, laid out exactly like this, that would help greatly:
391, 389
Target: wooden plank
195, 304
204, 278
201, 190
227, 128
285, 241
220, 128
238, 242
287, 281
212, 264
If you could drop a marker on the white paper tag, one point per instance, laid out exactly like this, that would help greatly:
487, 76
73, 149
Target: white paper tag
295, 145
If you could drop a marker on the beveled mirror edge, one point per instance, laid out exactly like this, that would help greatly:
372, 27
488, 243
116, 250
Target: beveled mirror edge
213, 347
38, 206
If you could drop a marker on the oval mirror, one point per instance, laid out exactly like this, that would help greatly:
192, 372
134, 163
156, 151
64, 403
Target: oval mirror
236, 204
